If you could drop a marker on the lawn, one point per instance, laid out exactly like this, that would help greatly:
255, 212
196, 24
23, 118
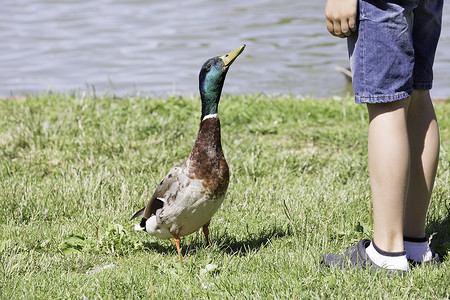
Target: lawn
74, 168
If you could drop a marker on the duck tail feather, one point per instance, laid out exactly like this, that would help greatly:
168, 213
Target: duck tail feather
138, 213
141, 225
138, 227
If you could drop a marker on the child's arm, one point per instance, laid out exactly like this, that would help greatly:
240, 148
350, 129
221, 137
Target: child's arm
341, 17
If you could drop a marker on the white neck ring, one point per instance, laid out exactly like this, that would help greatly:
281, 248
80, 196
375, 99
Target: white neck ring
210, 116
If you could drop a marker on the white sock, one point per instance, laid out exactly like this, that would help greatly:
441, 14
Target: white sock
417, 249
387, 260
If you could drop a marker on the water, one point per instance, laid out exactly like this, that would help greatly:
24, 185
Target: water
156, 47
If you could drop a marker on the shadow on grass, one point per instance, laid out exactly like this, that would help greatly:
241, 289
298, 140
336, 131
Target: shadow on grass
251, 243
224, 243
439, 229
160, 246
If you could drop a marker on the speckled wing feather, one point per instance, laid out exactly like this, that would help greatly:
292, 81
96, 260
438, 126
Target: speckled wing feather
175, 183
168, 183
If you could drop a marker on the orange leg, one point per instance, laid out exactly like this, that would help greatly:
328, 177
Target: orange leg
176, 239
206, 232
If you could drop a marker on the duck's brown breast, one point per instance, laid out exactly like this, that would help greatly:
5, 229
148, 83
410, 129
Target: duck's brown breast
207, 161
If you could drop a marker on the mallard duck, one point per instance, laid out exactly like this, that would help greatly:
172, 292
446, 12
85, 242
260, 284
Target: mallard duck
193, 191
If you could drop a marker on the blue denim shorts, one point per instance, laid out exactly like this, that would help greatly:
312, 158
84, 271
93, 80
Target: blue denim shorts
393, 50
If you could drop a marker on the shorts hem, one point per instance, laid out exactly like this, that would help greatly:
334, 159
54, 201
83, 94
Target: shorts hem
382, 98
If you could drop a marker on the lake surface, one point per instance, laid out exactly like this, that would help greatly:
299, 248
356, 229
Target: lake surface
156, 47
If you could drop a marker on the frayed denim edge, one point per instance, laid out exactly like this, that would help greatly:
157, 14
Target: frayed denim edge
383, 98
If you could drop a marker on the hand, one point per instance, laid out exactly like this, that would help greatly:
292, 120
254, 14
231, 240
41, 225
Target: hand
341, 17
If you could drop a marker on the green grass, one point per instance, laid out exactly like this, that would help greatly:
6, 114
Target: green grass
73, 169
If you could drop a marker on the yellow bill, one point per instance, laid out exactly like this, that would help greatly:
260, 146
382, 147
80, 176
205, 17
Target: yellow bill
229, 58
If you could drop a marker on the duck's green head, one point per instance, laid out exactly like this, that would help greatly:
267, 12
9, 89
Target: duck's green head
211, 79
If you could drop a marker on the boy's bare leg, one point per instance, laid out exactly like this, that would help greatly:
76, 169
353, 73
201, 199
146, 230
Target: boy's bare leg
424, 148
389, 156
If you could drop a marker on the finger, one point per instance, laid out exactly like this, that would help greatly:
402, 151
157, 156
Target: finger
345, 29
352, 24
330, 26
337, 29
